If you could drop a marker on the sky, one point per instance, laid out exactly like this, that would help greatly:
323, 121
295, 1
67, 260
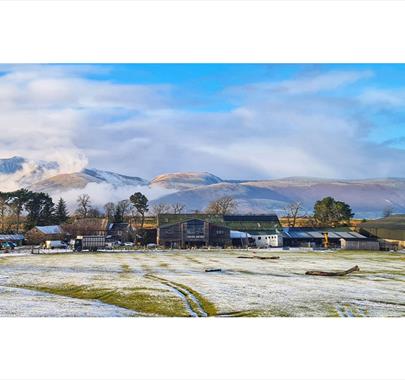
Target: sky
237, 121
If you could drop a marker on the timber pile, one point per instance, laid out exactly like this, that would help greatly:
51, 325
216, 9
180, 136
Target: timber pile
259, 257
336, 273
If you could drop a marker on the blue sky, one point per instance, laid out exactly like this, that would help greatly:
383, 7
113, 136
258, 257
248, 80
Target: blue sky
237, 121
201, 85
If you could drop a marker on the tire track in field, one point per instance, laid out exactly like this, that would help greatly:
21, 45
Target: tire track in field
193, 304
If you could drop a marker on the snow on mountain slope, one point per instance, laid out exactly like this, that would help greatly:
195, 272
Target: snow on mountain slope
17, 172
367, 197
65, 182
186, 180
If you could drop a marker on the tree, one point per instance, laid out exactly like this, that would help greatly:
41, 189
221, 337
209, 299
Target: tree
178, 208
18, 199
160, 208
83, 205
292, 211
4, 209
109, 211
222, 206
121, 210
387, 211
331, 213
40, 209
140, 203
61, 212
93, 212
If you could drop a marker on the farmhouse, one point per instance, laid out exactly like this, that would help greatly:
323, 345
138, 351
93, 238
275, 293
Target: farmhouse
198, 230
39, 234
390, 231
120, 232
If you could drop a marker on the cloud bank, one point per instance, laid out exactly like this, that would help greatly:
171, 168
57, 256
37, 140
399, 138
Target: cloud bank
308, 125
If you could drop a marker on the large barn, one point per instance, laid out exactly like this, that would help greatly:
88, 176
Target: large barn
202, 230
390, 230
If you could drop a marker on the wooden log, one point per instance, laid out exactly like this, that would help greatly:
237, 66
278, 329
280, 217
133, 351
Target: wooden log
336, 273
213, 270
259, 257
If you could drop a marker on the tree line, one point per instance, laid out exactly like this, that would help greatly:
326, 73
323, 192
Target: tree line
37, 208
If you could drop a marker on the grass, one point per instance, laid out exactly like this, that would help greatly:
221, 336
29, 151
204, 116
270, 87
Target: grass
126, 268
207, 305
134, 299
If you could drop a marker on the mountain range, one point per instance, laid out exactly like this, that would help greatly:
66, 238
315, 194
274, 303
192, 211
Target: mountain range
367, 197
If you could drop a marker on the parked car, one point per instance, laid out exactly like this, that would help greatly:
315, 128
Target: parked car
6, 245
128, 244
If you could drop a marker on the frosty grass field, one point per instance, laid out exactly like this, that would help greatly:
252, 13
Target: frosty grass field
176, 284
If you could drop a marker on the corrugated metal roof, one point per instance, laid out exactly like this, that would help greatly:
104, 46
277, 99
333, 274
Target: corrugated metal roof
11, 237
239, 235
313, 233
50, 230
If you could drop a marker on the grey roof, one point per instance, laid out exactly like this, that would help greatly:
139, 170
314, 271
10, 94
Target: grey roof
50, 230
239, 235
313, 233
11, 237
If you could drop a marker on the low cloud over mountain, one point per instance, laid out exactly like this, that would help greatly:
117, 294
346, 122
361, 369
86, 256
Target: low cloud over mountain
367, 197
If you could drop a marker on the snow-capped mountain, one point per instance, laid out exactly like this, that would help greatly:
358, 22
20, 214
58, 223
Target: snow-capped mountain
367, 197
65, 182
17, 172
186, 180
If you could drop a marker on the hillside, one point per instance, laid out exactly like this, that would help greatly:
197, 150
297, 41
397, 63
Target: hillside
187, 180
367, 197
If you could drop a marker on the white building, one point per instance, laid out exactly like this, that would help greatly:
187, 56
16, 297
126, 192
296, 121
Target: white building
268, 241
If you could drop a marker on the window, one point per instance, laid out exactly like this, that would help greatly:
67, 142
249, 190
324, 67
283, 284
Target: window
195, 229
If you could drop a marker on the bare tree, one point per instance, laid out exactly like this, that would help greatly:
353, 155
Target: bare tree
222, 206
178, 208
109, 210
94, 212
292, 211
160, 208
83, 205
122, 210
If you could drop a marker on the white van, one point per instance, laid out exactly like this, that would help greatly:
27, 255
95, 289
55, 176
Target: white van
51, 244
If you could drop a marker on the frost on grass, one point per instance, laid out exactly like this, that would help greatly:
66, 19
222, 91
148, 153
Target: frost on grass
176, 284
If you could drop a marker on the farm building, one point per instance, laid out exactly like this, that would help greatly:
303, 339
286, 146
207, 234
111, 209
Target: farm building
87, 226
188, 230
364, 244
120, 232
13, 238
390, 231
314, 237
39, 234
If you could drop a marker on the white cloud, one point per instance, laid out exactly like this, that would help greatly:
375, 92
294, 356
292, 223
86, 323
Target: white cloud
276, 129
101, 193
